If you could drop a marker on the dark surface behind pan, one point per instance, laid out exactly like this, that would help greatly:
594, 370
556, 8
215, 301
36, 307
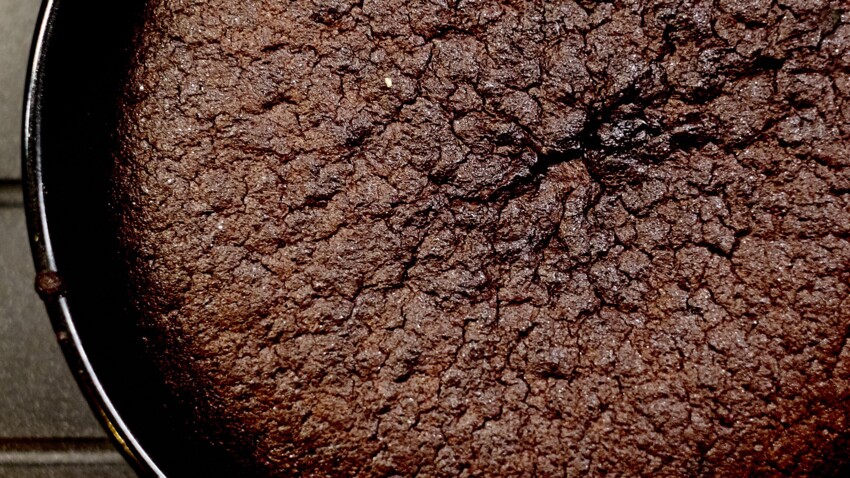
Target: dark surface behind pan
76, 72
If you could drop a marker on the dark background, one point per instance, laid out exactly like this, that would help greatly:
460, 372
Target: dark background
46, 428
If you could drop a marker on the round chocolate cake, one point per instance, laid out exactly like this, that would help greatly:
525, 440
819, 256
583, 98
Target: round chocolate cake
516, 238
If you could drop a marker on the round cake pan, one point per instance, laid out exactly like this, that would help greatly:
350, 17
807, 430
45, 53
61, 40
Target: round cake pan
75, 73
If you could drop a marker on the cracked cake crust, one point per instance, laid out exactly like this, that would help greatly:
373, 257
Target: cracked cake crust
514, 238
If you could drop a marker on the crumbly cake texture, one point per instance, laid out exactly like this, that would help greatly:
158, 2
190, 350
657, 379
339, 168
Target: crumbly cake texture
513, 238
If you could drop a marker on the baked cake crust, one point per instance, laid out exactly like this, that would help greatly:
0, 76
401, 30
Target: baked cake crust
516, 238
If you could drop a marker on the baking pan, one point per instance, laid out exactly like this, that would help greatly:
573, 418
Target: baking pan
75, 73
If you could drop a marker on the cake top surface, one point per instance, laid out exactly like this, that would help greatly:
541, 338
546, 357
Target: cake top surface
497, 238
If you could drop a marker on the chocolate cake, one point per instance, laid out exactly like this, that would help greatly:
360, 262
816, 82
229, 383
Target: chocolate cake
516, 238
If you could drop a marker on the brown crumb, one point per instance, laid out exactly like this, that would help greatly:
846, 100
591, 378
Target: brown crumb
48, 284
